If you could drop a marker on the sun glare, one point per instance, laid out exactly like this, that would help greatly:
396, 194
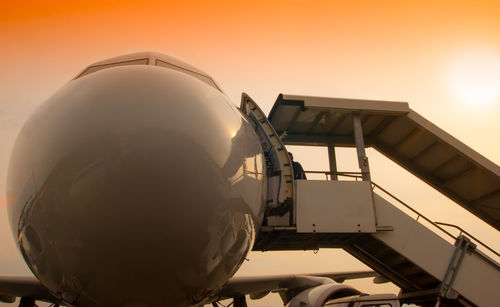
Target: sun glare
475, 78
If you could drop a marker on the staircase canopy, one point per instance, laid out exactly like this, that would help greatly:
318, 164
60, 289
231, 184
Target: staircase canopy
401, 134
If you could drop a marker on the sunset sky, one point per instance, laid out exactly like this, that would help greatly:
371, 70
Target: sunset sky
442, 57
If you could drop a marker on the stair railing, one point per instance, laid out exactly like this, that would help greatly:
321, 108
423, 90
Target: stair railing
358, 176
462, 231
419, 215
436, 224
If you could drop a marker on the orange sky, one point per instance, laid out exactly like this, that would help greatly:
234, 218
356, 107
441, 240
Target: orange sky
388, 50
279, 27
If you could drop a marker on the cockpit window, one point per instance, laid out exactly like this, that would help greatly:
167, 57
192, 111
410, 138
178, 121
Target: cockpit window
199, 76
147, 61
95, 68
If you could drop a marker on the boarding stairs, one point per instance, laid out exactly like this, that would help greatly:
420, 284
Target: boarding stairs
428, 263
425, 264
425, 260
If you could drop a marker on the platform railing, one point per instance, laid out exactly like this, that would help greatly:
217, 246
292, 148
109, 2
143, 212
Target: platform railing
328, 175
419, 215
462, 231
358, 176
437, 224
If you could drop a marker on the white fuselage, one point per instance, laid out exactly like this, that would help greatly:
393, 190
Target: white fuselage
136, 186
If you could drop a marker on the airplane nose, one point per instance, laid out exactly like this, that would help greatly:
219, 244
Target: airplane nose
136, 186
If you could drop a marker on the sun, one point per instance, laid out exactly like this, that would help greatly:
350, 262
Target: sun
475, 78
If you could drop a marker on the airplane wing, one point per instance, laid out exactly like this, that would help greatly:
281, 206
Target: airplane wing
340, 277
256, 286
287, 285
23, 286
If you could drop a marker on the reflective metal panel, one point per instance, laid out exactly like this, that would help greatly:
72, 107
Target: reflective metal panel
136, 185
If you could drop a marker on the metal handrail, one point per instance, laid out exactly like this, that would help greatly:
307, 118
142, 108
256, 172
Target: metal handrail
343, 174
436, 224
419, 215
469, 235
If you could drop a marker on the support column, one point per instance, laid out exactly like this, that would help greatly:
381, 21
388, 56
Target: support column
27, 302
360, 147
332, 158
240, 301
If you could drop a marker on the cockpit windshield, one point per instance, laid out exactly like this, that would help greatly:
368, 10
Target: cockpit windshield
150, 61
203, 78
95, 68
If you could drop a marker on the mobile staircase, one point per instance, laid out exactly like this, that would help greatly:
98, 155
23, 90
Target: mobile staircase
428, 263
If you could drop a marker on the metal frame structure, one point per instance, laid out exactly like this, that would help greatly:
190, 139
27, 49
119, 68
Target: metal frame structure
429, 266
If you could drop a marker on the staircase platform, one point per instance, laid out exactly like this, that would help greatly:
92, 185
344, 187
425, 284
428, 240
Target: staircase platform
401, 134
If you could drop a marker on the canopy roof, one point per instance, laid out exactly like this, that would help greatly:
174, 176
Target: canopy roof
402, 135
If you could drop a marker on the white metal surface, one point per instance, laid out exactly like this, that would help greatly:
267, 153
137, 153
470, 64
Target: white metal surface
334, 206
432, 253
128, 189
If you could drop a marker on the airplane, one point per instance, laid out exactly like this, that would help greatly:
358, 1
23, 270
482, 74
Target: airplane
139, 183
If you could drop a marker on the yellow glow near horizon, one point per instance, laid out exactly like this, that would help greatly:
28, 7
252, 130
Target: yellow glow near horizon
476, 78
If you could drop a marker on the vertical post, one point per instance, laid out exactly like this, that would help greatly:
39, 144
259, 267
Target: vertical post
360, 147
332, 160
240, 301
